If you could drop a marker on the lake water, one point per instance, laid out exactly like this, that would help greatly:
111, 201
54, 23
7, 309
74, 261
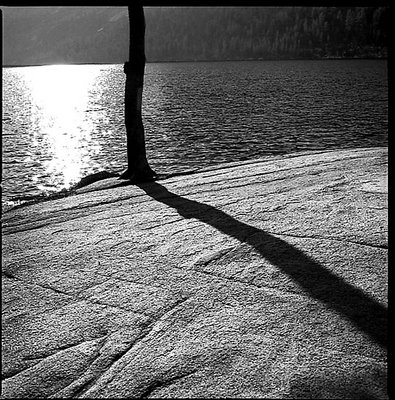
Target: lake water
61, 123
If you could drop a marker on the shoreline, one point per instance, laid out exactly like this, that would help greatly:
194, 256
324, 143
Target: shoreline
200, 61
25, 201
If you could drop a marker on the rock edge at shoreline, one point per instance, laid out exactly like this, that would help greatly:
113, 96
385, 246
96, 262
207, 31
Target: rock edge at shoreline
24, 201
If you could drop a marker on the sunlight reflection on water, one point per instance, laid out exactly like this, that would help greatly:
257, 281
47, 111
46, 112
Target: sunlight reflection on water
63, 122
59, 97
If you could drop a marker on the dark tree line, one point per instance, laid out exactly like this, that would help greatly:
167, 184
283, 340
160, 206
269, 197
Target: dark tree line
100, 35
281, 32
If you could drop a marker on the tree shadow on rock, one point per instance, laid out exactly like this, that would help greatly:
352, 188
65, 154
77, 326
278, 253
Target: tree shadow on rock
340, 384
319, 283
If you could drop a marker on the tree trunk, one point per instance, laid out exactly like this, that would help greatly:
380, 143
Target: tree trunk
138, 167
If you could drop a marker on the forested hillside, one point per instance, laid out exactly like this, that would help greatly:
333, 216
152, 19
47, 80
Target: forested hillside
100, 35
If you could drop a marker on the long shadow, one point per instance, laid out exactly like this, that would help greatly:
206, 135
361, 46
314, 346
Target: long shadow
319, 283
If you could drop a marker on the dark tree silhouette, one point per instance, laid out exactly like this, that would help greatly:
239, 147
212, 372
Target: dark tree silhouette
138, 168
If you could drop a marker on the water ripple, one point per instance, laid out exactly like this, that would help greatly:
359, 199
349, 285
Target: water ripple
195, 115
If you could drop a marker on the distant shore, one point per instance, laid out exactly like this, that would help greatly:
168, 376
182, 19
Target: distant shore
202, 61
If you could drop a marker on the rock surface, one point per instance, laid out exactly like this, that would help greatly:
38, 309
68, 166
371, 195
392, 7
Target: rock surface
263, 279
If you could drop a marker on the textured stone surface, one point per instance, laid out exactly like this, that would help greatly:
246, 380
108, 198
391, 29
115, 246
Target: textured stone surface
265, 278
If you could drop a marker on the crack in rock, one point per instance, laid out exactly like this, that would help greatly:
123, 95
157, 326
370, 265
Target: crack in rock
11, 276
162, 383
87, 381
379, 246
115, 367
107, 357
42, 357
216, 256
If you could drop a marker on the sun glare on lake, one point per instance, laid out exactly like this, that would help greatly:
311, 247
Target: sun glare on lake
60, 97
